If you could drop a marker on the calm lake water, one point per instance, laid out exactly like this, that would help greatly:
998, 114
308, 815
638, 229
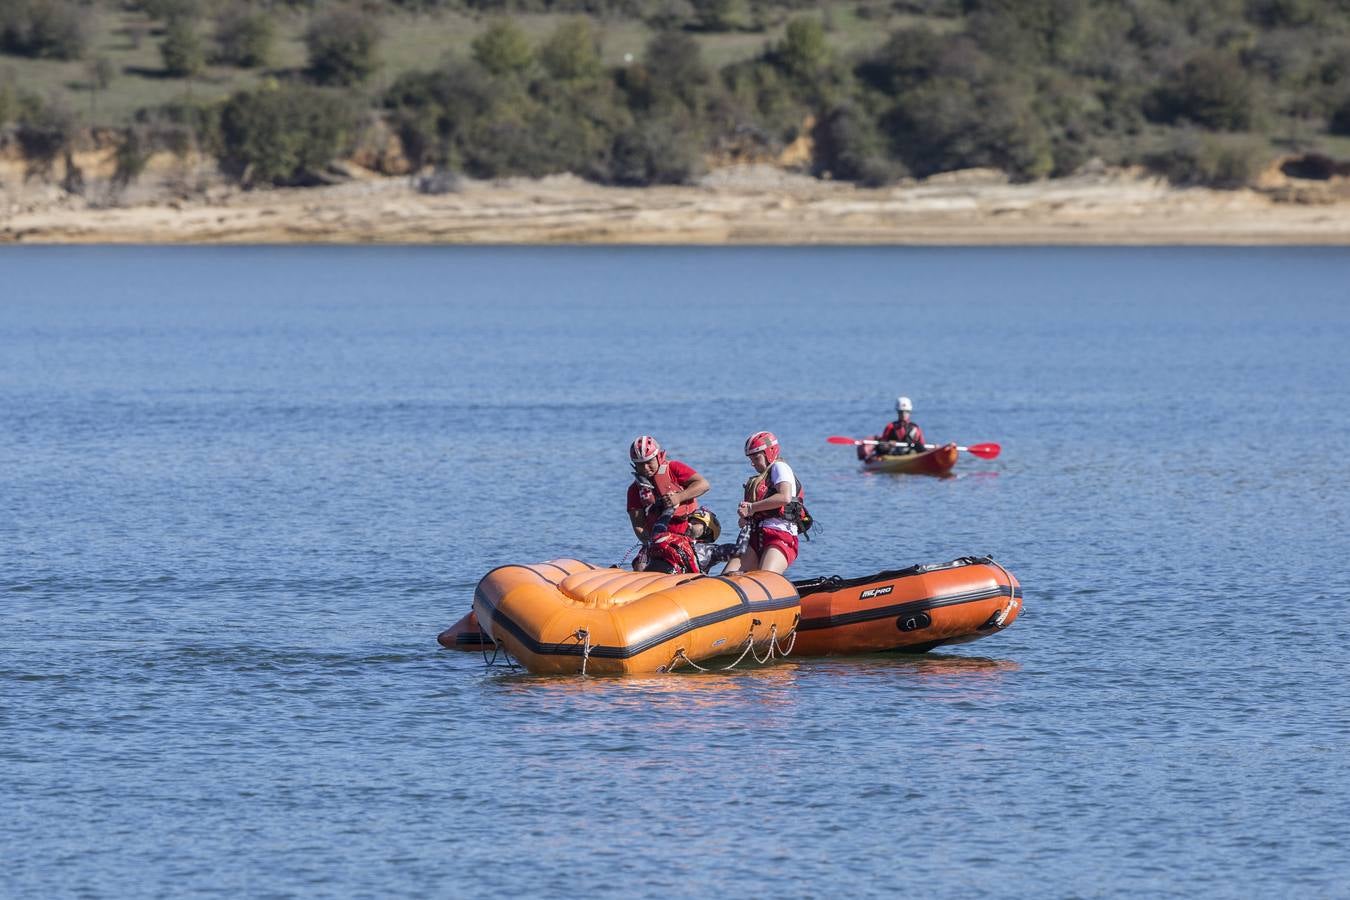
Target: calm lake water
242, 489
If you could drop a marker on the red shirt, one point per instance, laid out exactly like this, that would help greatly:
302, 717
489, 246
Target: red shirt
645, 499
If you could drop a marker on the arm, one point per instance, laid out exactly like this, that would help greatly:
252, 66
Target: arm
639, 522
697, 487
781, 496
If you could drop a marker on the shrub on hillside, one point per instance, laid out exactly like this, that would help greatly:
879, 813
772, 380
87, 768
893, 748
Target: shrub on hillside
1210, 160
45, 131
341, 44
948, 124
665, 150
45, 29
282, 136
1339, 121
168, 10
848, 147
572, 52
182, 50
244, 36
1211, 90
803, 51
502, 49
672, 71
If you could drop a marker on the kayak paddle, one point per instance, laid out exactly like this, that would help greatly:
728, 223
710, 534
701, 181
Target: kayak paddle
983, 451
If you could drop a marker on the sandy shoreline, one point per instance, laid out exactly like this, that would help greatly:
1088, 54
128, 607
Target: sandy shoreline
745, 206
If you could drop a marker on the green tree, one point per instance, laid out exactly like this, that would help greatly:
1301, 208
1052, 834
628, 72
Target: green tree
342, 45
803, 51
244, 36
572, 52
282, 136
45, 29
182, 50
848, 147
503, 49
672, 69
1211, 89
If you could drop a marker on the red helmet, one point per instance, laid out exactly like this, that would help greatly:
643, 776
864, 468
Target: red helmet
644, 448
763, 441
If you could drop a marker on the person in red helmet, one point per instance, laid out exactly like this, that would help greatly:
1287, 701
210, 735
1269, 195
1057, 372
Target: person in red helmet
772, 510
660, 501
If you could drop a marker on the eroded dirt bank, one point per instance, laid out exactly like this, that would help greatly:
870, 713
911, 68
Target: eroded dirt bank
753, 205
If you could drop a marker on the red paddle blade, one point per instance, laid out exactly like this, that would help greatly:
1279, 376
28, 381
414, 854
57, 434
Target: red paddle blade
985, 451
840, 439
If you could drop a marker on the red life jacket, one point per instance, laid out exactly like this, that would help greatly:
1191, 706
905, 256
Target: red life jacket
663, 483
909, 434
758, 487
675, 549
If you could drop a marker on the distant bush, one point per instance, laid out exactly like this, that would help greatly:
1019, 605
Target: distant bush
1211, 89
948, 124
182, 50
45, 131
281, 136
720, 15
342, 44
672, 70
244, 36
803, 51
132, 156
502, 49
45, 29
665, 150
572, 51
848, 147
1210, 160
1339, 121
168, 10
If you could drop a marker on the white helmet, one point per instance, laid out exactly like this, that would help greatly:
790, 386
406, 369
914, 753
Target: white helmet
902, 404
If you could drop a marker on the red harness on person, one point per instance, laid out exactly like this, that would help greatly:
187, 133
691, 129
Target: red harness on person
651, 491
909, 433
758, 487
675, 549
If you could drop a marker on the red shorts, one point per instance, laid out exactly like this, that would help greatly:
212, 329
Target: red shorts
784, 543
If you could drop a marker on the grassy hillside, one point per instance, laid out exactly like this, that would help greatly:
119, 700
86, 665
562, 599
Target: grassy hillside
1205, 91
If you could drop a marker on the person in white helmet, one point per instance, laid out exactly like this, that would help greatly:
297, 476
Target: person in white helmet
902, 435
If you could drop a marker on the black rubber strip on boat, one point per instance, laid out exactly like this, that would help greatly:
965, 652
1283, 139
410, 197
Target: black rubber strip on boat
908, 608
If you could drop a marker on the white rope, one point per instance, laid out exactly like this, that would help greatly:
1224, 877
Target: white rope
1012, 591
768, 654
585, 636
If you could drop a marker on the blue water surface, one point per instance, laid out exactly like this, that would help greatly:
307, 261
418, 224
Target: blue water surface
244, 488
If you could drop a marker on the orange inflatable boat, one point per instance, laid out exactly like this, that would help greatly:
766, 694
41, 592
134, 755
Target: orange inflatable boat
914, 609
565, 616
465, 635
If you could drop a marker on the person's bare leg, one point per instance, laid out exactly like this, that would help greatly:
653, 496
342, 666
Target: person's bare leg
746, 562
773, 561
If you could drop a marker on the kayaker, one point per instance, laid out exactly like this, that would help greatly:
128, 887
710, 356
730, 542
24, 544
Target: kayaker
901, 436
660, 500
772, 509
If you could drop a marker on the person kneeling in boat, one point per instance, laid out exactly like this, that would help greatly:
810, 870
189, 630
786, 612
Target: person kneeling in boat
899, 437
772, 510
660, 501
704, 530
